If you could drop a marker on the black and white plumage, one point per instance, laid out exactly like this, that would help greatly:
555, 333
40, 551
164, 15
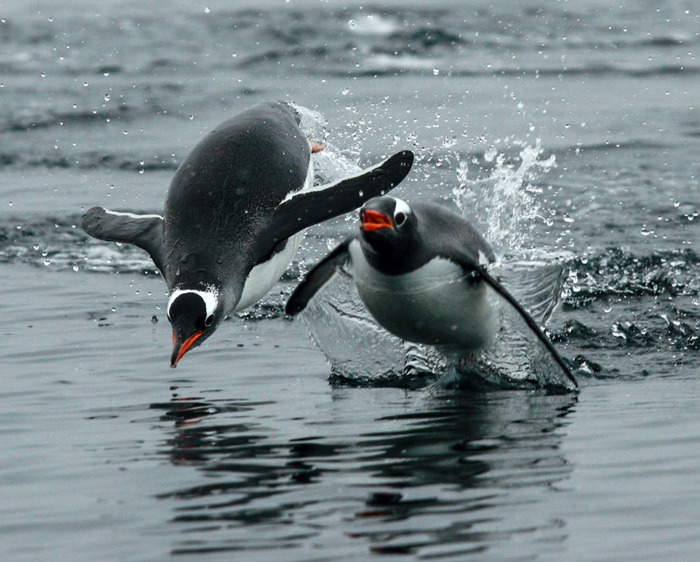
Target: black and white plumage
234, 216
422, 272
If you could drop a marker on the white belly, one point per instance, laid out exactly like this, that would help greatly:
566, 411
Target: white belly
264, 275
434, 304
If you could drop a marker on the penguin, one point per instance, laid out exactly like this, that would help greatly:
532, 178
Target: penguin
422, 271
234, 215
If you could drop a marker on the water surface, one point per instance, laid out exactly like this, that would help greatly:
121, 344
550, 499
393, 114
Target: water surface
248, 451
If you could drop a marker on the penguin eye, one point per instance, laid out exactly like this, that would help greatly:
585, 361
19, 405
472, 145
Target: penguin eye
209, 320
399, 218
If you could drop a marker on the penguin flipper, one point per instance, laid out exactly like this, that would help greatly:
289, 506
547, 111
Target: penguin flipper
305, 208
537, 285
470, 268
144, 231
317, 277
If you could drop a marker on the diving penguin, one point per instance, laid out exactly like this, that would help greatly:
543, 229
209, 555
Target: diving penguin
422, 272
234, 215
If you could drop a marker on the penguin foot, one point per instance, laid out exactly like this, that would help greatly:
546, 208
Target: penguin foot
316, 146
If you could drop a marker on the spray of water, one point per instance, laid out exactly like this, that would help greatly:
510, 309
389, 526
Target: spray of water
331, 164
506, 201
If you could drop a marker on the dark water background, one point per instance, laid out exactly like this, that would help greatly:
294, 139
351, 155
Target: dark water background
247, 451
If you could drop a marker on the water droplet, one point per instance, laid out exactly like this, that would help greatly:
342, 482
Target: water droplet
436, 71
76, 268
85, 84
206, 10
107, 97
352, 24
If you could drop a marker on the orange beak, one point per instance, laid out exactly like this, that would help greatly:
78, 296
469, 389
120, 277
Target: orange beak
180, 350
374, 220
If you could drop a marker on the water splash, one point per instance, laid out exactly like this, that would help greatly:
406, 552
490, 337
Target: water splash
361, 351
331, 164
507, 200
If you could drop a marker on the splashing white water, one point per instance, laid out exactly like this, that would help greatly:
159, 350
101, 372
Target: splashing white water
331, 164
506, 201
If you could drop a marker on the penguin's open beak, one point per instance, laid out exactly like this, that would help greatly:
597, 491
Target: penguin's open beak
180, 348
374, 220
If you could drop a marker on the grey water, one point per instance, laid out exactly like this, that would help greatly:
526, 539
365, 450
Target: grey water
567, 132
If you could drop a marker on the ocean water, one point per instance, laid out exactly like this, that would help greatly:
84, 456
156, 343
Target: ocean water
568, 132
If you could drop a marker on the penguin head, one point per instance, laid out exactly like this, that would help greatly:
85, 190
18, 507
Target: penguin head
194, 316
387, 225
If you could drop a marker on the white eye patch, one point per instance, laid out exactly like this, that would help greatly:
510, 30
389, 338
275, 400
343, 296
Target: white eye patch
401, 208
210, 298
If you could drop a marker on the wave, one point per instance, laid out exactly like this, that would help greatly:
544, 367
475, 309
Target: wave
59, 244
654, 296
43, 119
348, 41
88, 161
615, 272
393, 65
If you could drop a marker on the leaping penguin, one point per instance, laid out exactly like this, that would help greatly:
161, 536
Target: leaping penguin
234, 215
421, 271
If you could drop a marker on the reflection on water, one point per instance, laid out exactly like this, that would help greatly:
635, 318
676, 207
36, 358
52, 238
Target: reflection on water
432, 472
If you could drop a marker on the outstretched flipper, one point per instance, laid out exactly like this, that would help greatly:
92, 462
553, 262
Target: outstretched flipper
144, 231
470, 268
317, 277
306, 208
